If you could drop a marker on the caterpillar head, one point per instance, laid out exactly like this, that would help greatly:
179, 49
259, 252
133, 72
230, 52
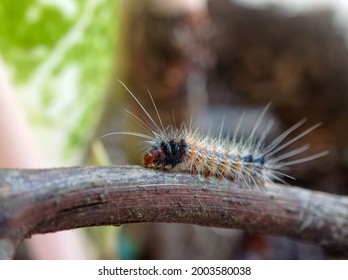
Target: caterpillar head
165, 153
153, 158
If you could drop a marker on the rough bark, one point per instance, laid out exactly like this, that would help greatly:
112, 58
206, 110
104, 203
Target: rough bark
49, 200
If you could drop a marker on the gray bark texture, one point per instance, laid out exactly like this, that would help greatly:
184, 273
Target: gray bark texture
48, 200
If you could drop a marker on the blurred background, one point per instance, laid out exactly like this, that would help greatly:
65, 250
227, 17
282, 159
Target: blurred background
59, 66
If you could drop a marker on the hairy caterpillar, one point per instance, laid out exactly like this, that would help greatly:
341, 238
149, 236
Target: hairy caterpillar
248, 160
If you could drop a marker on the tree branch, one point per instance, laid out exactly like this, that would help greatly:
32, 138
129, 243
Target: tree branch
49, 200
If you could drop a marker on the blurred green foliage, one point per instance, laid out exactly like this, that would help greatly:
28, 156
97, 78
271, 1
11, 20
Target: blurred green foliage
60, 55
